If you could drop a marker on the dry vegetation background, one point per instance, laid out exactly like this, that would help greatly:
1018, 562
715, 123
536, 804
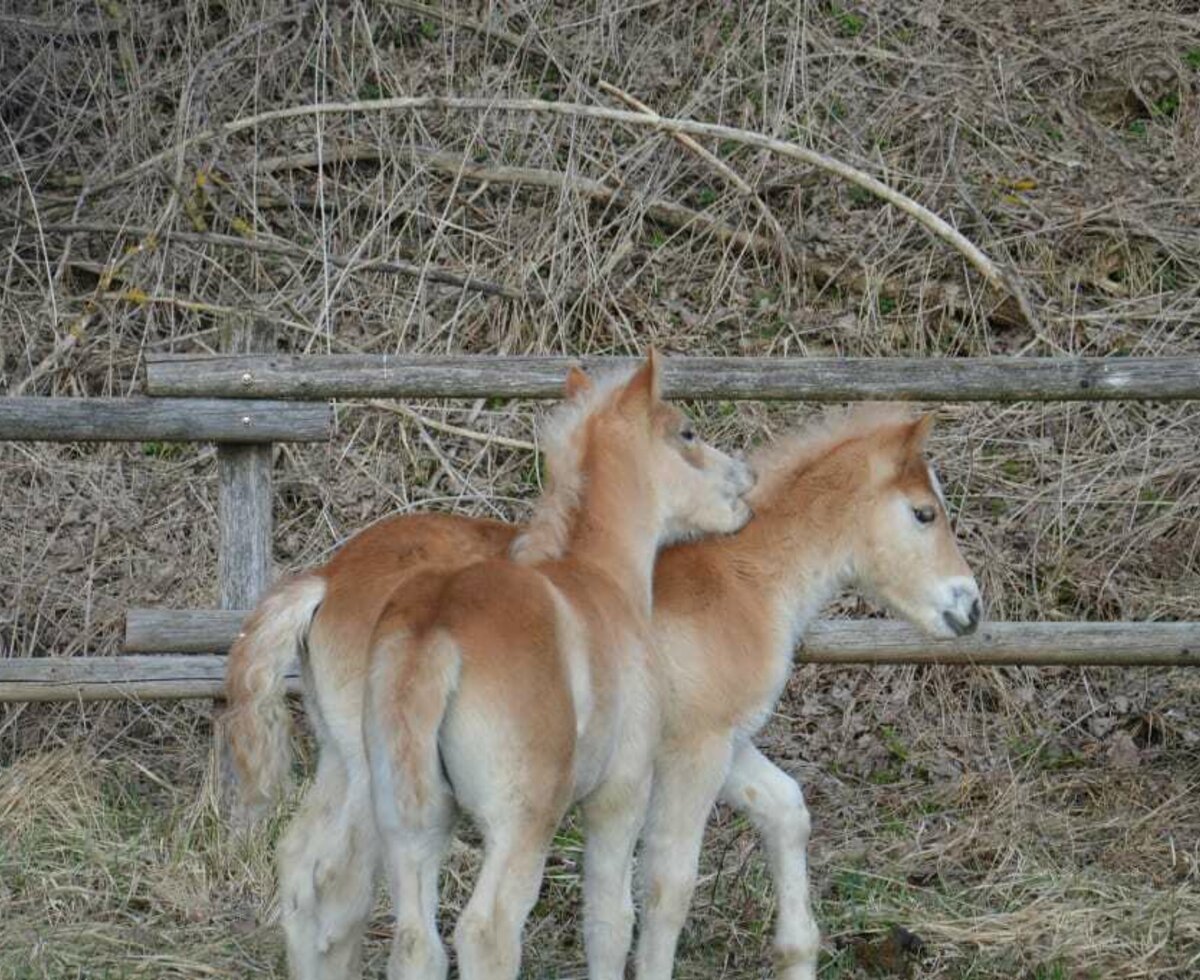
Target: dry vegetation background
1038, 824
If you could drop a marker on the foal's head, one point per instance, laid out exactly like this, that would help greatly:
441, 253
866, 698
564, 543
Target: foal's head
905, 552
698, 488
618, 433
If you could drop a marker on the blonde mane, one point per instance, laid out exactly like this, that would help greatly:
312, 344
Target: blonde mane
776, 462
545, 537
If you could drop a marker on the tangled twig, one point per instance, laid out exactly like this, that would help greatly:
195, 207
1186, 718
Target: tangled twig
719, 165
661, 211
452, 430
996, 276
392, 266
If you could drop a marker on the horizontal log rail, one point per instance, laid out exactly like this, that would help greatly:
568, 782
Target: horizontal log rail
182, 630
817, 379
200, 675
114, 678
870, 641
225, 399
34, 419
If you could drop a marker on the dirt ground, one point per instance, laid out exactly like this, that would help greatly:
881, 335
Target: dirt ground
1041, 824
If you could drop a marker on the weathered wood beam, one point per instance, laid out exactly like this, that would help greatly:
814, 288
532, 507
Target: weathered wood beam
832, 641
1077, 644
244, 510
113, 678
162, 420
872, 641
816, 379
182, 630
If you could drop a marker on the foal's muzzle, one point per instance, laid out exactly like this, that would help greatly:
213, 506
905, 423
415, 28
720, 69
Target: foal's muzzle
964, 615
741, 477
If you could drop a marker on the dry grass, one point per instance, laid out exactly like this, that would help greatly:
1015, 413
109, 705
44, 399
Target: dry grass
1035, 824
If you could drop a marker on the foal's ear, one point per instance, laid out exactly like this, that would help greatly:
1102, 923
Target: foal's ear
643, 389
919, 433
905, 448
577, 384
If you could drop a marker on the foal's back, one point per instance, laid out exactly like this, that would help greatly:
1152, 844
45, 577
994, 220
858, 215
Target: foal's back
403, 561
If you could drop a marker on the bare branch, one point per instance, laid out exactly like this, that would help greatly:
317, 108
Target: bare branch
997, 277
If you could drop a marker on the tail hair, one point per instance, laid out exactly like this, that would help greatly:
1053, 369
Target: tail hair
256, 724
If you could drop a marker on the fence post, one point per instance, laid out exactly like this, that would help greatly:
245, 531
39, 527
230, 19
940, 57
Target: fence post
244, 503
244, 529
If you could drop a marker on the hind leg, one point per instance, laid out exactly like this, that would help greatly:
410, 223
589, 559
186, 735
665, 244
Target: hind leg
613, 817
687, 779
775, 804
488, 935
516, 789
327, 863
412, 802
414, 842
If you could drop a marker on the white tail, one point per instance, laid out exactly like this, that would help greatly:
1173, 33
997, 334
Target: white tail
256, 723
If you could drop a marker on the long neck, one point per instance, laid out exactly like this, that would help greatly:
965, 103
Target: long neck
795, 551
617, 527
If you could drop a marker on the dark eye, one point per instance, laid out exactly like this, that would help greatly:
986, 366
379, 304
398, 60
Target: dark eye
925, 515
688, 434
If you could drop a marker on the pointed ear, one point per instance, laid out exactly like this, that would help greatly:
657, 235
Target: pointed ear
905, 449
577, 384
643, 389
919, 433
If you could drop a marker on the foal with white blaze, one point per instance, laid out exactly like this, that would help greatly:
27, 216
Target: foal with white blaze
510, 688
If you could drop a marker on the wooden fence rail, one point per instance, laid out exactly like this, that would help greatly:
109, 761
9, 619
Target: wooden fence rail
200, 675
1003, 379
162, 420
157, 677
873, 641
224, 398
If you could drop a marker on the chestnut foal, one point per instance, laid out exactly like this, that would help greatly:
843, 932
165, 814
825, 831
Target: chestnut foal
509, 687
849, 500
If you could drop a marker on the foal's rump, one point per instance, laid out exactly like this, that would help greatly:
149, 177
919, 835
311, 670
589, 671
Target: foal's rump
411, 682
468, 692
328, 613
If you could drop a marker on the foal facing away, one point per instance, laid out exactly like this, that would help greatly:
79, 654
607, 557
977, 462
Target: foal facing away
509, 688
850, 500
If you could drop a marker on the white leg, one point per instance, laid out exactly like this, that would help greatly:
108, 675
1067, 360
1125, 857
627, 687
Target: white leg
686, 783
414, 844
488, 935
512, 773
775, 804
327, 863
414, 815
613, 817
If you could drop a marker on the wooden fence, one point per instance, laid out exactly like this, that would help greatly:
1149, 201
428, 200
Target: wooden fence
245, 400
